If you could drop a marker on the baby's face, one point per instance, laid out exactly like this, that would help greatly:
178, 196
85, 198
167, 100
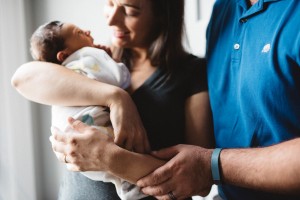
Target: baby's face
76, 38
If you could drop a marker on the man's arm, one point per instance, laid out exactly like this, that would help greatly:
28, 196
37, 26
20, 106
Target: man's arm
274, 169
271, 169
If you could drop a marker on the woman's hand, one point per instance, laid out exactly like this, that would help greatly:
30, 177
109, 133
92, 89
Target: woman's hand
86, 148
82, 147
128, 128
105, 48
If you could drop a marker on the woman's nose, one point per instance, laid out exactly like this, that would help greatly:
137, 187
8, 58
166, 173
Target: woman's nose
113, 16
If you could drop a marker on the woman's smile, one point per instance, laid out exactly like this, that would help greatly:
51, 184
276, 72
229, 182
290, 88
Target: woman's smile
120, 34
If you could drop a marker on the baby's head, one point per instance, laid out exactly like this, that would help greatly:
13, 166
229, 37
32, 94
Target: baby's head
55, 41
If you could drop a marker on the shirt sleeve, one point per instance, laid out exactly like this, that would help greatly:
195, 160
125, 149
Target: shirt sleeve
197, 79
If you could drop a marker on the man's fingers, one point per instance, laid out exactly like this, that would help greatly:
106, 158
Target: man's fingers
158, 190
159, 176
166, 154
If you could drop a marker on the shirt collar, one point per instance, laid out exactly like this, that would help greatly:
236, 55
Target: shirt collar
244, 1
255, 8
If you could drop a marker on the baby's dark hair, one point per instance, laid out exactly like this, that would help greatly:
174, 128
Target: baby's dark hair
46, 42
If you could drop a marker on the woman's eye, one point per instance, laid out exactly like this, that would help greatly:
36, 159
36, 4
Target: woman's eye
130, 12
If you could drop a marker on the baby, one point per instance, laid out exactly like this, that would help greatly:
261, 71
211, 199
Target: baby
68, 45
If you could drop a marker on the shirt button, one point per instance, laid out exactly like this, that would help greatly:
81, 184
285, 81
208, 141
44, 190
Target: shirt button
236, 46
243, 20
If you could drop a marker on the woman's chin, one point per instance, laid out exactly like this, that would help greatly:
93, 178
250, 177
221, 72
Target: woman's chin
118, 42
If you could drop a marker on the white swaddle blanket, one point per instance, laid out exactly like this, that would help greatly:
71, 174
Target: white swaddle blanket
98, 65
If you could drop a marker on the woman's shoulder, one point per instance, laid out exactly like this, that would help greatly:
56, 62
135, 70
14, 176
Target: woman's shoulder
192, 63
194, 60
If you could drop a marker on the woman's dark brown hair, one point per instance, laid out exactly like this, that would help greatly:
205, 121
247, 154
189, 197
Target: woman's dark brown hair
167, 48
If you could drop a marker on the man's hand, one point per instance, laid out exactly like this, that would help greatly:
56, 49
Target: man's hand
187, 173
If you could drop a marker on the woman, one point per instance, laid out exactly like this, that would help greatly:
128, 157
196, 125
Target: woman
168, 87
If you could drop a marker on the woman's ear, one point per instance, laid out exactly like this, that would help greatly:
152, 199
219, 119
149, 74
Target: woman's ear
61, 56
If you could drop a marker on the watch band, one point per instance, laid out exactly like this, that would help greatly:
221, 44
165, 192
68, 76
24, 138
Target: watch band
215, 170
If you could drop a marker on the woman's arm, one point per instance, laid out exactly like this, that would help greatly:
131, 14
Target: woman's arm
53, 84
89, 150
199, 128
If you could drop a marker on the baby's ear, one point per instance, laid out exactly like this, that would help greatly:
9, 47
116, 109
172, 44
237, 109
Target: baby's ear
61, 56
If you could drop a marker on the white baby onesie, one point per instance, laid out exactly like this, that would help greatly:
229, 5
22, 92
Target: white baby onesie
98, 65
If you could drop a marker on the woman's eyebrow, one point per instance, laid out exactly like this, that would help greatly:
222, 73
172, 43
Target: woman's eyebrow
131, 5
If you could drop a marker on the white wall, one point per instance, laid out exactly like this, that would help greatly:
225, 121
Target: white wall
86, 14
28, 168
17, 164
197, 15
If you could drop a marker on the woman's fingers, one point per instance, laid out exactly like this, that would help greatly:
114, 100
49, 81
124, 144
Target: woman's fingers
58, 134
72, 167
143, 139
60, 156
128, 128
129, 142
77, 125
105, 48
82, 147
147, 145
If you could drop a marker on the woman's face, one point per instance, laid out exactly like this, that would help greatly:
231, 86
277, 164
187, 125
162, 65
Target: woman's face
132, 22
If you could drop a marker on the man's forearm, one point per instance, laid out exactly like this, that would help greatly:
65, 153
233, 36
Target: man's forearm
274, 169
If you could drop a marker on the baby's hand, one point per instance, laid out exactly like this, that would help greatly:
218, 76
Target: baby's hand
105, 48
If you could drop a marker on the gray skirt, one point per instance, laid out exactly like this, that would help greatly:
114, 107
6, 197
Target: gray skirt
76, 186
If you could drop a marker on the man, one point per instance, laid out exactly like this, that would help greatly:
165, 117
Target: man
254, 84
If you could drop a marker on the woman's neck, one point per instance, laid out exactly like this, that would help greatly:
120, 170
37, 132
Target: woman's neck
139, 56
141, 68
